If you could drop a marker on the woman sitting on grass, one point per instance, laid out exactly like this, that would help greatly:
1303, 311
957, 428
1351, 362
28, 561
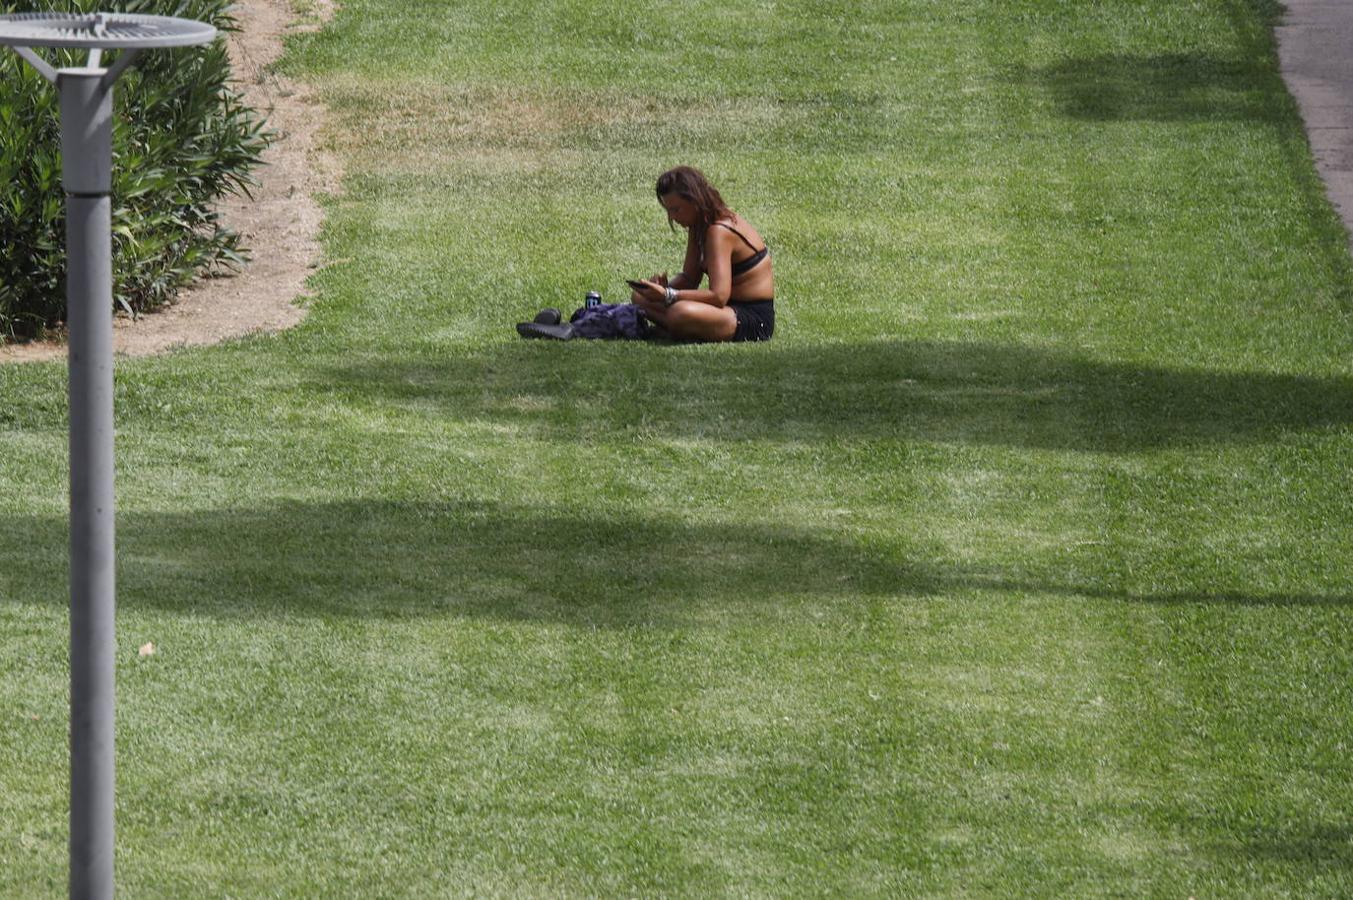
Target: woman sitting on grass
739, 303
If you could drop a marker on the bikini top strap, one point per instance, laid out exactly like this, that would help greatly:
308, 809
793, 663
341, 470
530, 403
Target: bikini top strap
749, 244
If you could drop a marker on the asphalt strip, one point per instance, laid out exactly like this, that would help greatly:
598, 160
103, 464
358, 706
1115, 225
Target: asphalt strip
1315, 54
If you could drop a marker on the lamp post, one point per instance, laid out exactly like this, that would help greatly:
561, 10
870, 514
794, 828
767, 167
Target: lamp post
86, 96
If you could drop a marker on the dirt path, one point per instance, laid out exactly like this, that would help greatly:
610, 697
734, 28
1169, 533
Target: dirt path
280, 225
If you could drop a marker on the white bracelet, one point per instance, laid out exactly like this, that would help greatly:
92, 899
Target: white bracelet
671, 295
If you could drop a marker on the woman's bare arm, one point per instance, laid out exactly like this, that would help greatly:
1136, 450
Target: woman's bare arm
691, 270
718, 268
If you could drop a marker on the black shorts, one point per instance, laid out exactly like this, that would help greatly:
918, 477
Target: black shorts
756, 319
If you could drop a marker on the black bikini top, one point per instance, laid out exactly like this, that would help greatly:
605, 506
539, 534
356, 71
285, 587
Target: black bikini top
750, 262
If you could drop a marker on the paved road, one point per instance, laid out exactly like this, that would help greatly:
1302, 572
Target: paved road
1315, 49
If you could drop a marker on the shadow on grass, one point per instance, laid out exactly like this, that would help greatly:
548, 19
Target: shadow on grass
392, 559
983, 394
1166, 87
379, 559
1324, 843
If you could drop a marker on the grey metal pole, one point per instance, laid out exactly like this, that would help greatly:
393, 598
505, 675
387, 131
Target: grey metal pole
86, 146
86, 97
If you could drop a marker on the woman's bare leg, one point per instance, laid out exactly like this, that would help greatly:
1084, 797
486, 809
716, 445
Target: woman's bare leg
688, 319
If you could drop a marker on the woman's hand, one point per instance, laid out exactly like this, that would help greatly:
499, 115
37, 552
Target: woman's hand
653, 292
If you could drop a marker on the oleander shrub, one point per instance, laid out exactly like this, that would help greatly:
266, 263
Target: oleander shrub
183, 139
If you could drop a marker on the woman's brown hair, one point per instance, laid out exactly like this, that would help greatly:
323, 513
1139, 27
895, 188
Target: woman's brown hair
691, 184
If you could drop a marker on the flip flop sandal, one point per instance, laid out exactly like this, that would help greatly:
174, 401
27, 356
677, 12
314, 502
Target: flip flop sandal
540, 330
548, 316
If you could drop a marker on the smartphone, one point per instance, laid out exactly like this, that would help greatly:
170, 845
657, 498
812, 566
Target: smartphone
637, 285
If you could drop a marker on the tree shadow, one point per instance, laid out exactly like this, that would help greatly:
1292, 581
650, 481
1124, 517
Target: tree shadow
389, 560
965, 393
1322, 843
1170, 87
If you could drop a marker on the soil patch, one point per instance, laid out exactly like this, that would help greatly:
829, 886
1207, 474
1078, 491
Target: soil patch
280, 225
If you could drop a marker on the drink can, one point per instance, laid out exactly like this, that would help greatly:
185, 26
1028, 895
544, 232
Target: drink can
593, 299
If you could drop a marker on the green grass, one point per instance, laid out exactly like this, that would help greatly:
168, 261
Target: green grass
1016, 564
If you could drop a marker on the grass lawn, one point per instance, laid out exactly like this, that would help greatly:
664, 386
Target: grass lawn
1018, 563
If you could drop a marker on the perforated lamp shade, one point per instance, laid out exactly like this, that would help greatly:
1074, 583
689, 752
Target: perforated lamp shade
86, 175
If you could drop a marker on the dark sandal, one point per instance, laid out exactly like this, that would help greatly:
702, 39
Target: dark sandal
540, 330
